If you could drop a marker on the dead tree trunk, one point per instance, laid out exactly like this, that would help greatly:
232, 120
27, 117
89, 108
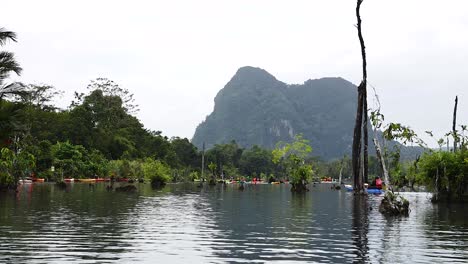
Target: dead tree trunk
340, 179
366, 142
361, 110
356, 160
381, 159
454, 130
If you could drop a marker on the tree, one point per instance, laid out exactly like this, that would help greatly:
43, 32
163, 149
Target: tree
35, 103
157, 172
8, 65
185, 152
212, 167
454, 129
226, 158
14, 166
292, 157
361, 112
7, 179
255, 161
111, 89
68, 159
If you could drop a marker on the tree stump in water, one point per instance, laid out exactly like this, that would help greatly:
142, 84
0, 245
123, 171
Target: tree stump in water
212, 182
127, 188
394, 205
156, 184
299, 188
61, 184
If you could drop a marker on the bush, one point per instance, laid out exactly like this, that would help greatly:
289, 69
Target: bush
394, 205
194, 175
445, 172
157, 172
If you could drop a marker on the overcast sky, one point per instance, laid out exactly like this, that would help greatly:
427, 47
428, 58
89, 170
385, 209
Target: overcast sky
176, 55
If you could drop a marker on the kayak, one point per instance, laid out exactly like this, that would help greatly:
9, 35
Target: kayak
375, 191
38, 180
349, 188
87, 180
25, 181
102, 179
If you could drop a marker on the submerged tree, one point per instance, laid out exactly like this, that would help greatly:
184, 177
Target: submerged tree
361, 114
212, 167
292, 157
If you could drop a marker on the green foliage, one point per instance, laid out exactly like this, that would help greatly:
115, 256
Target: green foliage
14, 166
194, 175
77, 162
299, 149
292, 157
125, 169
301, 174
136, 169
445, 172
226, 158
185, 153
68, 159
212, 167
394, 205
6, 168
156, 171
256, 161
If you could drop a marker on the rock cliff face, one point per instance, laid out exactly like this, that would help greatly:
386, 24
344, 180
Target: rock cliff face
254, 108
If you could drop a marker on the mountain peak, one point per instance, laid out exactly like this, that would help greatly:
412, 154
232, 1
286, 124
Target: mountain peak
255, 108
249, 73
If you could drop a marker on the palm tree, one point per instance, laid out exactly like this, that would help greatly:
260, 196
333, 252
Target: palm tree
8, 64
6, 35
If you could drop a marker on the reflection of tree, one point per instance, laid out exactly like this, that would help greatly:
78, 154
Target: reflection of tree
268, 223
360, 228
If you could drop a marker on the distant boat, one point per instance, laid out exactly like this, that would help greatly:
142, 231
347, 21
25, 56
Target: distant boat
38, 180
86, 180
25, 181
69, 180
102, 179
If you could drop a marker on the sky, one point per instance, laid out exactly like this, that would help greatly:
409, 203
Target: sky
175, 56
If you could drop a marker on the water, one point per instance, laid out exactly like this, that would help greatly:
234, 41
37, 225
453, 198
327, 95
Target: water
185, 224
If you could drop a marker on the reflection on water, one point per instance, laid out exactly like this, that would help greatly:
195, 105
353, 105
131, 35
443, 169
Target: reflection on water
262, 224
360, 227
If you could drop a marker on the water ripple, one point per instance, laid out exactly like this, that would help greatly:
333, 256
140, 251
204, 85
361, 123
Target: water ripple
262, 224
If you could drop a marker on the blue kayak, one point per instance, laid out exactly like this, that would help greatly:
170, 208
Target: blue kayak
375, 191
349, 188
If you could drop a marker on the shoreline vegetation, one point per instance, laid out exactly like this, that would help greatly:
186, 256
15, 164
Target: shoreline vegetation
98, 136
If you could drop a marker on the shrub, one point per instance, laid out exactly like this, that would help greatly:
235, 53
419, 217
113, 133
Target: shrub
157, 172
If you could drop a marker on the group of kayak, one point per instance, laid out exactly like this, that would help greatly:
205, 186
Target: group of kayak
88, 180
375, 188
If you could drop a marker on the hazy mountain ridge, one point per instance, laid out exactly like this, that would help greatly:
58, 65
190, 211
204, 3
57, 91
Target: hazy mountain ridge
254, 108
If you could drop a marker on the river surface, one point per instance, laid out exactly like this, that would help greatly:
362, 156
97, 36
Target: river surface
185, 224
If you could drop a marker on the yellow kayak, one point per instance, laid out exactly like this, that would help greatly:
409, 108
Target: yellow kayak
88, 180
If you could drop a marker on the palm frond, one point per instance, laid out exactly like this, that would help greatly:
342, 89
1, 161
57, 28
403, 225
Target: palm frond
8, 64
12, 89
6, 35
